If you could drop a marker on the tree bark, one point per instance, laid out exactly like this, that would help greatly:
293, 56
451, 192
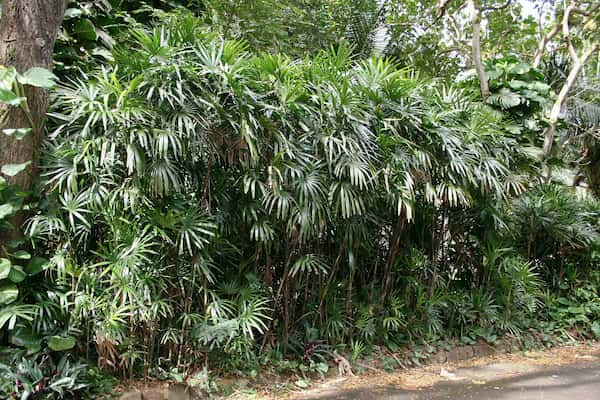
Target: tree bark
28, 30
476, 49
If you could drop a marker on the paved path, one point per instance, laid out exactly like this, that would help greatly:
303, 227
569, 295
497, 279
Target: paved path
569, 382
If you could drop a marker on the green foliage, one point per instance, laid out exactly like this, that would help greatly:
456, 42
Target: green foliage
91, 29
29, 373
297, 28
549, 221
43, 378
435, 37
207, 201
520, 92
16, 264
195, 190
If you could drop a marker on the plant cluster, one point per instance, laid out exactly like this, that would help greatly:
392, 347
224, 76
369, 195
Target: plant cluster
203, 205
200, 201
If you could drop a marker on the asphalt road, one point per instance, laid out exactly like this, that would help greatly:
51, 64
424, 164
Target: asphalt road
569, 382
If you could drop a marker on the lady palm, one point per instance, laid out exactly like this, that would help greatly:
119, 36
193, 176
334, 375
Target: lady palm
251, 195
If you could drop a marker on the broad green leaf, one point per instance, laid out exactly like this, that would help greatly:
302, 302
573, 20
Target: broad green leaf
533, 95
520, 69
6, 210
517, 84
540, 87
14, 169
36, 265
505, 98
5, 265
7, 77
8, 293
24, 337
86, 30
38, 77
302, 383
22, 255
576, 310
10, 98
60, 343
322, 367
16, 274
18, 134
493, 74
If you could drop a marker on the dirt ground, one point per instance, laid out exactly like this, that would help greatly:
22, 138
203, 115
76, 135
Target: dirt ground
429, 381
476, 371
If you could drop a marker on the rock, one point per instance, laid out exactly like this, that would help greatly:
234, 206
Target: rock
502, 346
179, 391
439, 357
135, 395
483, 350
154, 394
460, 353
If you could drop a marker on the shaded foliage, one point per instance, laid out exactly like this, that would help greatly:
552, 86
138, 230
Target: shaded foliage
212, 196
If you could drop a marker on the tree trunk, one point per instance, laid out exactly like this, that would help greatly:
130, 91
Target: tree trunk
476, 50
28, 30
578, 64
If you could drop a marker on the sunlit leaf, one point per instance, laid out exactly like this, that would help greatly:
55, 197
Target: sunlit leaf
8, 293
14, 169
61, 343
39, 77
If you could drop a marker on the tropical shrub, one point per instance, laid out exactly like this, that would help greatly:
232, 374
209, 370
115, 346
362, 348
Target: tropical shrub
204, 206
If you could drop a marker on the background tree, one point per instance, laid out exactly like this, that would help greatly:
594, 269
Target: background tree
578, 25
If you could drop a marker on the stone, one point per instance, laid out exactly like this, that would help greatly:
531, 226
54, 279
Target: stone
179, 391
483, 350
154, 394
135, 395
502, 346
460, 353
439, 357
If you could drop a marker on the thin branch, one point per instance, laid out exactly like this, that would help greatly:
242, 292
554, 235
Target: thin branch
586, 13
441, 9
539, 54
567, 33
562, 96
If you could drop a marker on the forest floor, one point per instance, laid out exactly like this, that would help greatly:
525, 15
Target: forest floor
560, 373
564, 372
